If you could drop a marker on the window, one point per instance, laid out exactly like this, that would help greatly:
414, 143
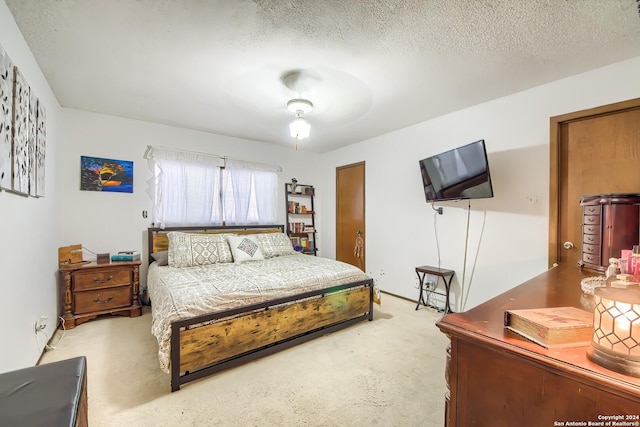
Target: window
197, 189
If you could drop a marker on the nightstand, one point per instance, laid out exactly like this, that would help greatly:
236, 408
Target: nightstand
91, 289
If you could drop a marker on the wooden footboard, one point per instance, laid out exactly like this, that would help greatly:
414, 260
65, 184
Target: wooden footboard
206, 344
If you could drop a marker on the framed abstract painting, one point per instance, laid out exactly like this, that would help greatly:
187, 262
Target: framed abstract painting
99, 174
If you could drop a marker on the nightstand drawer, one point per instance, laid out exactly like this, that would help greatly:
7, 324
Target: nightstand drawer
85, 302
100, 279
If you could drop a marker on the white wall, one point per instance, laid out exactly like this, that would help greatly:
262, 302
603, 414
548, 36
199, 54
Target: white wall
507, 234
28, 229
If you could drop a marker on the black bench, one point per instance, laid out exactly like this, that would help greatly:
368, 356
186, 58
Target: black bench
51, 395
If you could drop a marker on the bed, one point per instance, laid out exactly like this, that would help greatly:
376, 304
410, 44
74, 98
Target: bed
222, 296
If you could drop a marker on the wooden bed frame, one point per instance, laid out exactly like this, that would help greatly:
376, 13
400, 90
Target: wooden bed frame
209, 343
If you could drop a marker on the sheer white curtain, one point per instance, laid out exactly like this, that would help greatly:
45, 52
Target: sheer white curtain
251, 192
185, 187
203, 189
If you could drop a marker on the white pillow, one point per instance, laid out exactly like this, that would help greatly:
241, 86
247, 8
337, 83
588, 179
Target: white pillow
190, 249
244, 248
274, 244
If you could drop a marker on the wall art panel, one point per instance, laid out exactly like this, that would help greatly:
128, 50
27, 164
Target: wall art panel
20, 134
41, 143
6, 119
31, 143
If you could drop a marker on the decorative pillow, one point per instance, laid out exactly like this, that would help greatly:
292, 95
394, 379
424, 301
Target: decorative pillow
189, 249
162, 257
244, 248
274, 244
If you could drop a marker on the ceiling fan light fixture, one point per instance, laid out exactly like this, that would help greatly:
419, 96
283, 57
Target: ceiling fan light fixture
299, 128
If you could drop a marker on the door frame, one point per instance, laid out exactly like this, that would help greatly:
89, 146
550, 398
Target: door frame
555, 156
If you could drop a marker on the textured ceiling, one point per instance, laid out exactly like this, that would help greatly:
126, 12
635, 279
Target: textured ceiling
369, 66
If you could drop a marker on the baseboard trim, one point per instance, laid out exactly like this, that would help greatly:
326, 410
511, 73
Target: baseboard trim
398, 296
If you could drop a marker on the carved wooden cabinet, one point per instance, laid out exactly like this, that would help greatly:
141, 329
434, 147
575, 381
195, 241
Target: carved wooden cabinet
90, 290
610, 223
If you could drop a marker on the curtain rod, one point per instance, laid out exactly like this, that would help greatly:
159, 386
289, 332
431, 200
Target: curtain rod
149, 148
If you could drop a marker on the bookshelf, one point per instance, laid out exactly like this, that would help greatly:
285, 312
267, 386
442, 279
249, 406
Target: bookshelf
301, 224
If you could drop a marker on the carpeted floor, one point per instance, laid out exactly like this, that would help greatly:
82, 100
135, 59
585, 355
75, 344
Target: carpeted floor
388, 372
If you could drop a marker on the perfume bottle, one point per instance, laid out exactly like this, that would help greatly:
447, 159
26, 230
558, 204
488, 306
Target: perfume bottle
612, 270
634, 267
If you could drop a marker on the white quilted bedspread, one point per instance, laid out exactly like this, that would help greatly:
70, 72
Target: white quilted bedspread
179, 293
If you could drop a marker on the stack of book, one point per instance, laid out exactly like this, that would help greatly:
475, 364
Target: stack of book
126, 256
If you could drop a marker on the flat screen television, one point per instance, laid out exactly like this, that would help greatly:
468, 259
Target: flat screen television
461, 173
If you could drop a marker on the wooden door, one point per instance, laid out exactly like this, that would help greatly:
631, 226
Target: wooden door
350, 218
594, 151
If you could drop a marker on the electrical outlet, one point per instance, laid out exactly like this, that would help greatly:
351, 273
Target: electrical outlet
533, 200
40, 324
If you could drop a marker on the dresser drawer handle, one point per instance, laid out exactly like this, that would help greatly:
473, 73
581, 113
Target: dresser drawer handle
97, 300
108, 279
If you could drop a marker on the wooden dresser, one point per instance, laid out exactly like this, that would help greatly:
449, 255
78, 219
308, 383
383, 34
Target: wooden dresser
89, 290
497, 378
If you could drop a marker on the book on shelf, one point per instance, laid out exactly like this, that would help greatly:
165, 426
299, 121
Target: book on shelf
552, 327
297, 227
297, 208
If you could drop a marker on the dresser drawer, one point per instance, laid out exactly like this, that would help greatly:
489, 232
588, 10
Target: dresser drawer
591, 258
591, 249
101, 278
591, 239
105, 299
591, 219
591, 229
591, 210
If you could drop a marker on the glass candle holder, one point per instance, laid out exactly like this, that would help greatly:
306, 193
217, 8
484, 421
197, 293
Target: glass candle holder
616, 330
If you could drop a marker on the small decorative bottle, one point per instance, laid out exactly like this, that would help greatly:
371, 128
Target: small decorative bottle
612, 270
635, 262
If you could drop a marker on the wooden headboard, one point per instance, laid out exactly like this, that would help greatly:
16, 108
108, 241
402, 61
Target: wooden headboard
158, 240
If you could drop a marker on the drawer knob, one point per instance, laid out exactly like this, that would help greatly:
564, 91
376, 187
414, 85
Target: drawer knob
97, 300
98, 280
